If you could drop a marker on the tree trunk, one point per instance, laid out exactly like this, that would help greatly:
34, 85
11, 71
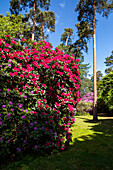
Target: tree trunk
66, 41
42, 30
33, 29
78, 48
19, 7
94, 67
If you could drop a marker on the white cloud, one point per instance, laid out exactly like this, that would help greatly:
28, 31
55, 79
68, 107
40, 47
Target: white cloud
57, 16
31, 22
48, 30
62, 4
57, 19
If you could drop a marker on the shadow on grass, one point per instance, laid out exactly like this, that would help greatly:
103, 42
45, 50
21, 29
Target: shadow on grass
88, 152
96, 151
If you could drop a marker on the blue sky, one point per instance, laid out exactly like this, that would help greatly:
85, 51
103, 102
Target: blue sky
66, 17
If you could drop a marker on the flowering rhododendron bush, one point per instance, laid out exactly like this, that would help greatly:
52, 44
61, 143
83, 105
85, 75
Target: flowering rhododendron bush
38, 94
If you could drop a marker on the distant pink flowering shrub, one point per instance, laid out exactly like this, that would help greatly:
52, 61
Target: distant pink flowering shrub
39, 93
85, 106
89, 97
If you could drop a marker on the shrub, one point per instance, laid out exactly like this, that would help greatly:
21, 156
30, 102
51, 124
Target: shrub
39, 92
105, 94
85, 106
13, 25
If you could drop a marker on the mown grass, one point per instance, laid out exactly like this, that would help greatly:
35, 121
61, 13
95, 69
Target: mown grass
91, 149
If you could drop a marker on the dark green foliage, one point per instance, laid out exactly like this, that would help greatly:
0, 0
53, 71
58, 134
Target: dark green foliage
99, 76
45, 21
109, 63
86, 86
84, 33
15, 7
85, 18
86, 83
18, 5
66, 37
85, 9
105, 92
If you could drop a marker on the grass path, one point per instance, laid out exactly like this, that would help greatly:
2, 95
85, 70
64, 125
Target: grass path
91, 149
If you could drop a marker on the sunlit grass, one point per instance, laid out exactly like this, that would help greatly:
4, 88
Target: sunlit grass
91, 149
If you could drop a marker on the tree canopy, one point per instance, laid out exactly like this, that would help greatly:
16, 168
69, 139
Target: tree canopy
13, 25
18, 5
105, 91
109, 63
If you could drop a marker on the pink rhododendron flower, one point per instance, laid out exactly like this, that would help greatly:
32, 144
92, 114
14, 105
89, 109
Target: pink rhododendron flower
8, 36
13, 42
42, 91
20, 93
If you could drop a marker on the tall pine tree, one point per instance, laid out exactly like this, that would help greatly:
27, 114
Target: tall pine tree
18, 5
66, 40
66, 37
46, 21
86, 13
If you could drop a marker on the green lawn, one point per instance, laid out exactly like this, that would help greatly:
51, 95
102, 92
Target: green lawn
91, 149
